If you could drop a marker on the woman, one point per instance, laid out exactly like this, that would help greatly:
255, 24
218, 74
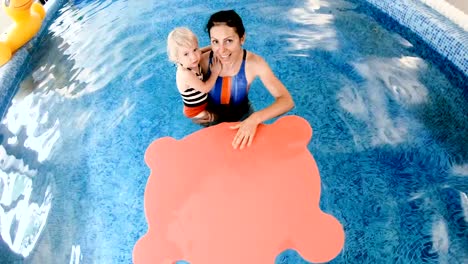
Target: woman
228, 100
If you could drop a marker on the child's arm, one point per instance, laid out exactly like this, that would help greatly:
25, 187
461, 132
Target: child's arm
199, 85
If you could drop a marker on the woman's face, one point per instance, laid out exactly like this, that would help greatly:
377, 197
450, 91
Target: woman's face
226, 44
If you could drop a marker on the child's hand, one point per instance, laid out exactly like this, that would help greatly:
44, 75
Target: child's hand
216, 66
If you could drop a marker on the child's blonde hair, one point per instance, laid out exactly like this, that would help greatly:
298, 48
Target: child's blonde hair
177, 38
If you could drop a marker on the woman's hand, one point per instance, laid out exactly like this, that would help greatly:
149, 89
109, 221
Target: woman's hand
245, 132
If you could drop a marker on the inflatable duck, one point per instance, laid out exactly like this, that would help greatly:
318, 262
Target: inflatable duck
27, 17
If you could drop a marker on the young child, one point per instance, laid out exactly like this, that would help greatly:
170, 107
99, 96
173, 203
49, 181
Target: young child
183, 50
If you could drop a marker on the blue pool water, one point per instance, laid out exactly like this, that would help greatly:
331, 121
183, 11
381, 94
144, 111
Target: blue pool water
390, 129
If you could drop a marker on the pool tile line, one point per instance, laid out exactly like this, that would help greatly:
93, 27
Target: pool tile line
441, 34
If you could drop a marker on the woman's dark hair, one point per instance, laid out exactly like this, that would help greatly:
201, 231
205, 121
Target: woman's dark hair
229, 18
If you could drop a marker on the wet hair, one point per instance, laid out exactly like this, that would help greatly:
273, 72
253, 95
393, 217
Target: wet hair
180, 37
229, 18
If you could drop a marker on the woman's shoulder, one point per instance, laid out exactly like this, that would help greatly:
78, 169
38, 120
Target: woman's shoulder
254, 57
255, 61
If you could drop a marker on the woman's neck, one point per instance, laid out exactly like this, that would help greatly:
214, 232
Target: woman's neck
232, 68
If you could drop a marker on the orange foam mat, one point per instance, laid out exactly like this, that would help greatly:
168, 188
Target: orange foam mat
207, 203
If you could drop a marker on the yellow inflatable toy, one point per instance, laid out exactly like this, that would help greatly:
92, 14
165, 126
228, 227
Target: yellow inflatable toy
27, 19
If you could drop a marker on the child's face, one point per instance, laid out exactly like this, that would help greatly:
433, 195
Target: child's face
189, 56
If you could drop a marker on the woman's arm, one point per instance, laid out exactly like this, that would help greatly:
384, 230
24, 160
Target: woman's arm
283, 100
282, 104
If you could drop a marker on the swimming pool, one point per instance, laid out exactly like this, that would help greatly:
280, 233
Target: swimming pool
390, 129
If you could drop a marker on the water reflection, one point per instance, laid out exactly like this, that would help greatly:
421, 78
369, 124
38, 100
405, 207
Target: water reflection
75, 256
32, 126
23, 211
464, 204
93, 63
440, 239
318, 30
387, 81
29, 135
460, 170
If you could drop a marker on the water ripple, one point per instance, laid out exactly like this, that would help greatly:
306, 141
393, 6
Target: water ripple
23, 210
96, 65
321, 35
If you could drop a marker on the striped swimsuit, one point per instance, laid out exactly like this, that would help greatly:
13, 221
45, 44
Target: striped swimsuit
195, 101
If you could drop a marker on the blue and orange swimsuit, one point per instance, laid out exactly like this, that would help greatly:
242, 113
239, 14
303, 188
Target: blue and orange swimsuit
229, 100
